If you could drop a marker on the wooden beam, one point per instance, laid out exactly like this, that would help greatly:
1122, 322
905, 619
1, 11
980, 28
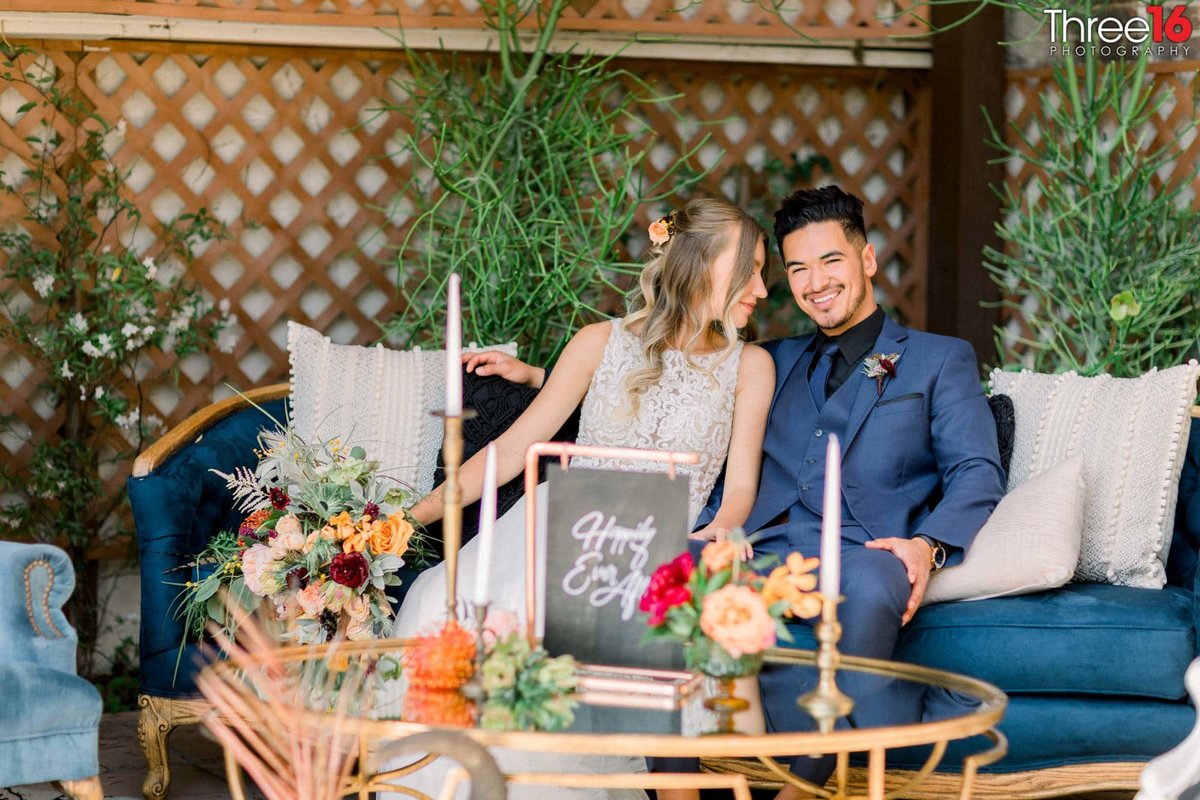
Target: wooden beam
912, 53
968, 79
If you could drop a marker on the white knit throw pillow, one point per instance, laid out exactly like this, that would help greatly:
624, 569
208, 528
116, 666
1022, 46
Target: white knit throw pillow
376, 398
1132, 435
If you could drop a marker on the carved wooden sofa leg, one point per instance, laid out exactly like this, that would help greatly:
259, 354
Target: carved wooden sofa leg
86, 789
158, 718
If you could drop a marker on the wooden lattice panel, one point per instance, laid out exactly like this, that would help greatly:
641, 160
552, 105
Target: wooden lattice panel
859, 19
283, 145
1177, 79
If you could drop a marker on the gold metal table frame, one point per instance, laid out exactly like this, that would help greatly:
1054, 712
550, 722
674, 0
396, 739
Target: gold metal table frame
735, 761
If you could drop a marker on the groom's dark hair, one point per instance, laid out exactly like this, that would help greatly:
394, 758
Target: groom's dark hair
827, 204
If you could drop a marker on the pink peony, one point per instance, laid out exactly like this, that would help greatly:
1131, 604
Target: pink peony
253, 561
736, 618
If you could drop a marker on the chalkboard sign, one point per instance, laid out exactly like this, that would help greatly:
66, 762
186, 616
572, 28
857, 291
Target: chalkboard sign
607, 532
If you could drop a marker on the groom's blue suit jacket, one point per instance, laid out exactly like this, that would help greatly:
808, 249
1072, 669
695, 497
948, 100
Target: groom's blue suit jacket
918, 457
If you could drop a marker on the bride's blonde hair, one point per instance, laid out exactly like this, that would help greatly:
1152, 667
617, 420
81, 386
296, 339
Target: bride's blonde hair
676, 284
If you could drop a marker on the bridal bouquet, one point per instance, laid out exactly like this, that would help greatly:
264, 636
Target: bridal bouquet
724, 611
323, 537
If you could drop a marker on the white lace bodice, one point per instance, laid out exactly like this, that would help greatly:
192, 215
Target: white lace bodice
690, 409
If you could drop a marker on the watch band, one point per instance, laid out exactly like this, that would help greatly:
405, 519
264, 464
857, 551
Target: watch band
937, 552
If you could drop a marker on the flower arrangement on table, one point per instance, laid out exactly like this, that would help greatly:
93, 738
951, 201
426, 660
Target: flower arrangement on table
724, 611
325, 534
518, 686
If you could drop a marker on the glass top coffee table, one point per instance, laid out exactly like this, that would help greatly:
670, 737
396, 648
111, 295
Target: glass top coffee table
731, 760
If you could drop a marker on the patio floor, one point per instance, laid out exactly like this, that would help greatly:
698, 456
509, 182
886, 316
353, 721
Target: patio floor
197, 769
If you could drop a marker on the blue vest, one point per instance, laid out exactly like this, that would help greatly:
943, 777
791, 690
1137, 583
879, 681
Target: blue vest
796, 427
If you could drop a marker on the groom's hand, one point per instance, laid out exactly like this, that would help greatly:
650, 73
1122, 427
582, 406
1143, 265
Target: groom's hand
492, 362
916, 556
716, 533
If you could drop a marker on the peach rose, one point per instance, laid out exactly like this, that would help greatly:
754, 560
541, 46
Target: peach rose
736, 618
391, 535
311, 600
717, 556
336, 596
359, 630
358, 607
659, 233
288, 536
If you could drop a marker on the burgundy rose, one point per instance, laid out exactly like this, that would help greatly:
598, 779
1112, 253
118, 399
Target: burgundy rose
349, 569
668, 588
370, 512
888, 367
297, 579
279, 498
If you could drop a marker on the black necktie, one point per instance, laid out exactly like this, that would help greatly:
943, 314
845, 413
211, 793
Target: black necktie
820, 375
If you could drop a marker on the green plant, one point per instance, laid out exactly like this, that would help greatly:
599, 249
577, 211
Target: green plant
86, 310
1101, 258
527, 171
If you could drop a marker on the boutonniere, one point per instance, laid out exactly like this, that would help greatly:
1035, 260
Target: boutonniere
879, 366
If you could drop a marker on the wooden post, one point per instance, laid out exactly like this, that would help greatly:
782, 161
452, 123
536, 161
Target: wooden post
968, 76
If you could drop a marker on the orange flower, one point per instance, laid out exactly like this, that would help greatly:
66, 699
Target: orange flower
717, 556
736, 618
794, 582
391, 535
356, 540
659, 234
343, 525
437, 707
442, 660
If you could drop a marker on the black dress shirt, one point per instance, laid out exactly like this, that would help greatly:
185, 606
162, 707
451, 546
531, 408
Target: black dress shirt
853, 345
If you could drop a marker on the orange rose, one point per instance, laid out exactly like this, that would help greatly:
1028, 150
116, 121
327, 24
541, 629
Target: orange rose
736, 618
717, 556
391, 535
659, 233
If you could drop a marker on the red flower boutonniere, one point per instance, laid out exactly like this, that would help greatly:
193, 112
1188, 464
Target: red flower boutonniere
879, 366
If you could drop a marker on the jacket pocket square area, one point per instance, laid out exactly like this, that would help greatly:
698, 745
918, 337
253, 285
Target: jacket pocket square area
900, 399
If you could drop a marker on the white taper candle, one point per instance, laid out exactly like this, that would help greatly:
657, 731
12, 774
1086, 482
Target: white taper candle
831, 522
487, 526
453, 349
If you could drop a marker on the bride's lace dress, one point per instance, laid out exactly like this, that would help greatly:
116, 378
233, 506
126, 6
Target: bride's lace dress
689, 409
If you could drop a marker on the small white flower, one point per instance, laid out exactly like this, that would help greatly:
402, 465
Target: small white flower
78, 322
180, 321
154, 422
106, 249
99, 393
105, 343
226, 340
127, 421
151, 267
91, 350
224, 306
122, 126
83, 393
129, 329
66, 372
43, 284
148, 330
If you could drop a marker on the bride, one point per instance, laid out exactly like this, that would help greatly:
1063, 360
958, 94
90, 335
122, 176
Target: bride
672, 375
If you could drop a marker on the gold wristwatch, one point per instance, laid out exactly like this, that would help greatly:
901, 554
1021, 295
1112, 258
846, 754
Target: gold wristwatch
937, 552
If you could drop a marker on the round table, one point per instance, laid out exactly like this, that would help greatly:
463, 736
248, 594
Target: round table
647, 732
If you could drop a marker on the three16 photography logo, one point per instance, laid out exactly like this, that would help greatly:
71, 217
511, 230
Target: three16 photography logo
1162, 31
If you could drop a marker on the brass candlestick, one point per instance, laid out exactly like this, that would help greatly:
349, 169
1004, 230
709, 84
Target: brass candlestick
473, 690
827, 703
452, 449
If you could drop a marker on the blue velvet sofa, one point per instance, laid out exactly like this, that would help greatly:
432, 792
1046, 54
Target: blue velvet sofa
1094, 673
50, 717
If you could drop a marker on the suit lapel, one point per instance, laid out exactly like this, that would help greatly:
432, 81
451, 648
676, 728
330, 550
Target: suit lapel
866, 390
792, 353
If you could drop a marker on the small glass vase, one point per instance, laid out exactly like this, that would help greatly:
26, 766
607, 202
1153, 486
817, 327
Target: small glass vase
705, 656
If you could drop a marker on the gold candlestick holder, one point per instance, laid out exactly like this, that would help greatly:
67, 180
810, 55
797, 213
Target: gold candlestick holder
827, 703
452, 450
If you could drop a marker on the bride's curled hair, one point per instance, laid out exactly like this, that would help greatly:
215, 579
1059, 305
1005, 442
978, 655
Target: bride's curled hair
674, 311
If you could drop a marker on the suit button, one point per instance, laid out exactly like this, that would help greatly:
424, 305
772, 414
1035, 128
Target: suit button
804, 488
819, 432
812, 461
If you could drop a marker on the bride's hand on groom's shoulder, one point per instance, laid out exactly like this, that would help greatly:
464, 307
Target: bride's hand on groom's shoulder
491, 362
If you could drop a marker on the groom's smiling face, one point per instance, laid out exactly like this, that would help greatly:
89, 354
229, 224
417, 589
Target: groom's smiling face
830, 276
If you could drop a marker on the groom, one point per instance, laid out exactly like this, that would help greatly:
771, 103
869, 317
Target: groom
920, 465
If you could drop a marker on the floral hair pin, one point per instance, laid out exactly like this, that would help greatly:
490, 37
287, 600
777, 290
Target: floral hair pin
880, 366
661, 230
